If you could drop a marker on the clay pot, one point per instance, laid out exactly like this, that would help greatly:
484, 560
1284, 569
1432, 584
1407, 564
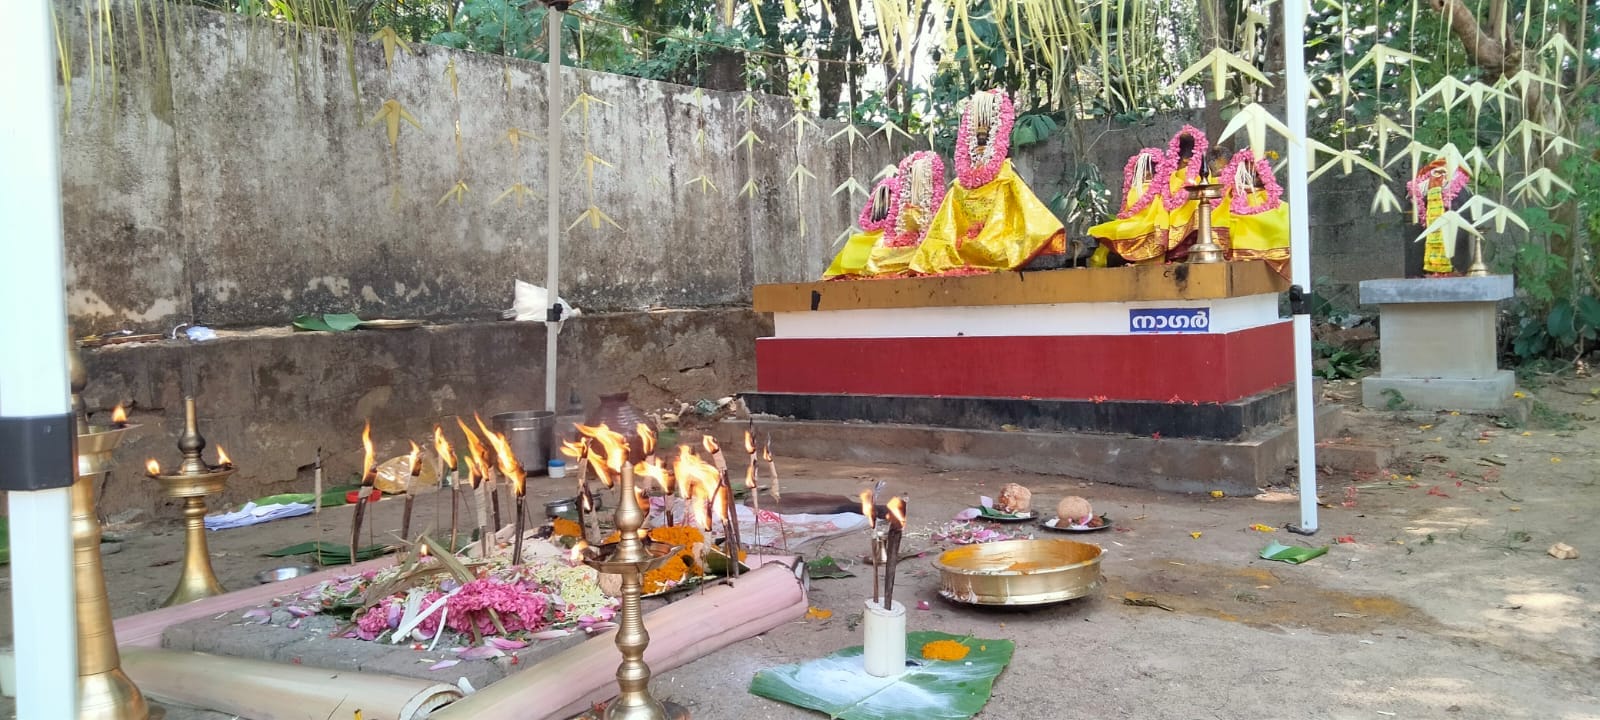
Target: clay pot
622, 417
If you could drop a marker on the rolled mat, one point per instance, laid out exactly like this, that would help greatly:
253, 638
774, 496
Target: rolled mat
571, 682
261, 690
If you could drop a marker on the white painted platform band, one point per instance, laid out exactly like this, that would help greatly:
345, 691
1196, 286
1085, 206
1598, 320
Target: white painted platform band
1120, 318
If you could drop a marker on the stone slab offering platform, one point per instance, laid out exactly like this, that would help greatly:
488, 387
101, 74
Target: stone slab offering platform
1438, 346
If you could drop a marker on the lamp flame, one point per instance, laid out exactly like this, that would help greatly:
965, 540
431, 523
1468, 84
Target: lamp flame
766, 450
710, 444
749, 443
897, 512
488, 452
694, 473
615, 448
478, 468
509, 466
575, 449
655, 471
578, 550
222, 458
152, 468
415, 458
866, 508
719, 506
119, 416
702, 512
647, 438
367, 461
442, 446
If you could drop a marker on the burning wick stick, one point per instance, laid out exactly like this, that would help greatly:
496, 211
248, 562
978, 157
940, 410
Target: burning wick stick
724, 493
579, 452
119, 418
777, 495
750, 483
447, 456
478, 469
868, 510
511, 468
368, 475
897, 529
490, 462
416, 470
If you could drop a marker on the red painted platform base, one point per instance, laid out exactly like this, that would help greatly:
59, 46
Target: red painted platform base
1199, 367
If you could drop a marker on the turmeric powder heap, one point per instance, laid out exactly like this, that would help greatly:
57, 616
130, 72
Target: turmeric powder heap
566, 528
944, 650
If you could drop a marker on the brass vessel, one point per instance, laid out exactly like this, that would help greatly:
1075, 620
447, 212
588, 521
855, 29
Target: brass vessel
104, 691
1019, 572
631, 558
192, 483
1206, 249
1478, 268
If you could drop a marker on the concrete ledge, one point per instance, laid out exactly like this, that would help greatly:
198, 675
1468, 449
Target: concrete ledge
1208, 421
1391, 291
1491, 393
1167, 464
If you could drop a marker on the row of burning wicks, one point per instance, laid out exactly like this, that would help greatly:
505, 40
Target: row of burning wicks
705, 488
885, 544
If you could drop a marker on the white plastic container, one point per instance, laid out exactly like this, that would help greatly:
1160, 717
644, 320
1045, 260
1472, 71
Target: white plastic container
557, 468
884, 649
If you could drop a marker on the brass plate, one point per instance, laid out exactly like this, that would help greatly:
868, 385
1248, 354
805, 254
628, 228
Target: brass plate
1019, 572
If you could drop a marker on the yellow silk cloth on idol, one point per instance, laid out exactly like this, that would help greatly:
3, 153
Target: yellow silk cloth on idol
998, 226
1262, 236
1435, 256
1140, 237
852, 258
1183, 219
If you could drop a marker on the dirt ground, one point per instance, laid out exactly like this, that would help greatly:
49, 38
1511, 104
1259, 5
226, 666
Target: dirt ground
1436, 600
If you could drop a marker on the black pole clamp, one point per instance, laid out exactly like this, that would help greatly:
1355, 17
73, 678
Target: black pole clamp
554, 313
1297, 301
40, 452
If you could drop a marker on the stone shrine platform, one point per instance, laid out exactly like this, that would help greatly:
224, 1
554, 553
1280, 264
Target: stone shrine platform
1438, 343
1178, 377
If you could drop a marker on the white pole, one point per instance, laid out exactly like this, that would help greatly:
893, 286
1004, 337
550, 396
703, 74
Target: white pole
552, 200
1305, 410
37, 430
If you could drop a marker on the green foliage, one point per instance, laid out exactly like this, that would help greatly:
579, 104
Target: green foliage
1338, 363
1393, 400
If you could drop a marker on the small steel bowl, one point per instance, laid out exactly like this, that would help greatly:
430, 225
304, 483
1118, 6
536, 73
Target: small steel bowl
283, 573
1019, 572
557, 508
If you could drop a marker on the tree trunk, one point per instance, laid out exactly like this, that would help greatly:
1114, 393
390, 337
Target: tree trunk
1496, 58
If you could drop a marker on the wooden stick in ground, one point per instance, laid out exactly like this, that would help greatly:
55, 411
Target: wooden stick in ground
411, 498
897, 528
868, 509
368, 476
777, 495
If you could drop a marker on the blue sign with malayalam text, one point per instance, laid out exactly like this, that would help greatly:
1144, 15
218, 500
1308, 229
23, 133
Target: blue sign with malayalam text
1169, 320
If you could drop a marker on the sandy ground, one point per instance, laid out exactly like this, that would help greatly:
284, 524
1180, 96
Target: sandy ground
1444, 605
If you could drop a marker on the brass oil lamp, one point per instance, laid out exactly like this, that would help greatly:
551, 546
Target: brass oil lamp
193, 481
104, 691
631, 557
1206, 249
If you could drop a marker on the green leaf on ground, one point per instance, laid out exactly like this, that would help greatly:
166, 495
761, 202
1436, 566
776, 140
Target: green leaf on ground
1290, 554
826, 568
327, 322
838, 686
330, 553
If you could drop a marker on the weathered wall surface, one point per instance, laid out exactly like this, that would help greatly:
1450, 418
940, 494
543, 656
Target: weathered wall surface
272, 397
233, 176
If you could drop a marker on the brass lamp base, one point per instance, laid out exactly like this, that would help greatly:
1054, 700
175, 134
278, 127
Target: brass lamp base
104, 691
1206, 250
198, 579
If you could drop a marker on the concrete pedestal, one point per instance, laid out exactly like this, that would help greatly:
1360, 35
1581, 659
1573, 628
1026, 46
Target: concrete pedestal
1438, 343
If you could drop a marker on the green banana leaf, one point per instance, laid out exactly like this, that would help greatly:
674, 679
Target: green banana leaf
826, 568
5, 541
327, 322
330, 498
1291, 554
839, 687
990, 512
327, 553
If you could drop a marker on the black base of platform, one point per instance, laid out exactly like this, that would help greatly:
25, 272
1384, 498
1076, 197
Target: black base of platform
1206, 421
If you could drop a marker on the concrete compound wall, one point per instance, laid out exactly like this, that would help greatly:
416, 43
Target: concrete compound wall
232, 177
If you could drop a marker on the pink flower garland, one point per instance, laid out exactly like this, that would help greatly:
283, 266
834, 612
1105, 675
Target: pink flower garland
1240, 204
898, 235
1418, 187
865, 221
1159, 172
975, 172
1191, 174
